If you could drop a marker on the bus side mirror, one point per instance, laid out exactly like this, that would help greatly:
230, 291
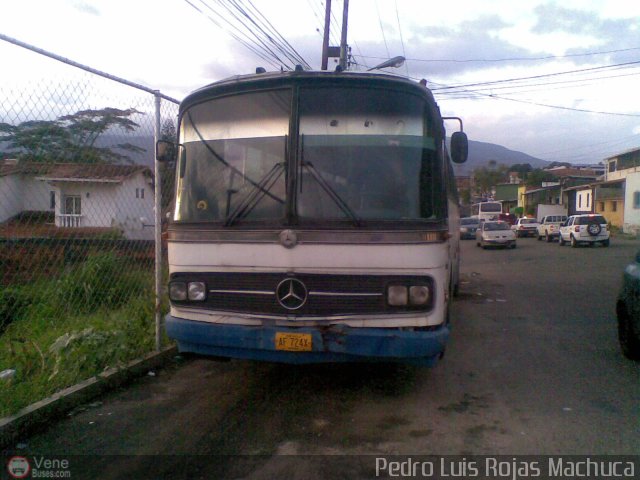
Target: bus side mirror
459, 147
165, 151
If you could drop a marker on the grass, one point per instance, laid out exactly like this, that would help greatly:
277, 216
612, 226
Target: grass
57, 333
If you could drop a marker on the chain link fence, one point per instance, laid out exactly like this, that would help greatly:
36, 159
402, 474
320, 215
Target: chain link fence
78, 236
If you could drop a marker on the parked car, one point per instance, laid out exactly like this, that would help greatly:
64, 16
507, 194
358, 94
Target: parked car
549, 227
525, 227
628, 311
498, 234
468, 227
588, 228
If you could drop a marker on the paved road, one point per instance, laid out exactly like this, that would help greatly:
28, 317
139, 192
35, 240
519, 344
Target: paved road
533, 368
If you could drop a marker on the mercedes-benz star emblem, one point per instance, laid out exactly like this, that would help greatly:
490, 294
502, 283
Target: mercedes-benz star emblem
291, 294
288, 238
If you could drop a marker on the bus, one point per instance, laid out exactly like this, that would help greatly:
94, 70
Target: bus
315, 220
487, 211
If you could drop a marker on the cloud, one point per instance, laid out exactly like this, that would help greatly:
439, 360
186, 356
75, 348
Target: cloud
607, 34
86, 8
447, 51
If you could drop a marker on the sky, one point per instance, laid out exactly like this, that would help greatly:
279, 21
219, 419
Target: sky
556, 80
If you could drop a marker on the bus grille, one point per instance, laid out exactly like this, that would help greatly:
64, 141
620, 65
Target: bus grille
326, 295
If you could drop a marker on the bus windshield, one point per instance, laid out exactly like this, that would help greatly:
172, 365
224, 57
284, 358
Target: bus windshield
374, 151
363, 155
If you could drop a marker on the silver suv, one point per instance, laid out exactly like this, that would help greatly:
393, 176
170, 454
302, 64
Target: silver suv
589, 229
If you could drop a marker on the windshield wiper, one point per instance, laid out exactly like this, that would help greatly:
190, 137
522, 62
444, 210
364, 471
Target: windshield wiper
346, 209
227, 164
256, 194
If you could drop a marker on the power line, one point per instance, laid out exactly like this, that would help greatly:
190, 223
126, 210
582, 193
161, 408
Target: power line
404, 54
247, 25
236, 36
559, 107
382, 30
265, 40
513, 59
534, 87
547, 75
288, 47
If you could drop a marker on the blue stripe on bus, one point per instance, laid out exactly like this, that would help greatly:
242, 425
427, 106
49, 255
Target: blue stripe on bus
337, 343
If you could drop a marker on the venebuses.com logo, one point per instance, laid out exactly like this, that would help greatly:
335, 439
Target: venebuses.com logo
38, 467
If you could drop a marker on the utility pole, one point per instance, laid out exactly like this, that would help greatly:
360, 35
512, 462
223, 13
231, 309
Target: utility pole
343, 39
325, 40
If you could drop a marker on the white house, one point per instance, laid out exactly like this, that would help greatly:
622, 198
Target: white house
625, 166
81, 195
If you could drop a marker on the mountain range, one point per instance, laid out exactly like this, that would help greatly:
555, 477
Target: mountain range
480, 153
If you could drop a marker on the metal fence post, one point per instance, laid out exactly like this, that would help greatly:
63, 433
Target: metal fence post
158, 226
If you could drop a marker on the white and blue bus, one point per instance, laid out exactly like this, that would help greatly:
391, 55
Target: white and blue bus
316, 220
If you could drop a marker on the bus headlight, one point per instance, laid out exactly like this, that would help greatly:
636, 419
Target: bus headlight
197, 291
408, 295
397, 295
419, 295
178, 291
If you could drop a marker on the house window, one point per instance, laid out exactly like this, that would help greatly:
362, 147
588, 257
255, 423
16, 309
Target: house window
139, 192
142, 193
636, 199
72, 205
580, 201
588, 200
614, 206
601, 206
612, 166
52, 200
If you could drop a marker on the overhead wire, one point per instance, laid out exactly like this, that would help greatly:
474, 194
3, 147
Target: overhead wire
547, 75
269, 26
404, 53
384, 38
255, 30
248, 26
514, 59
247, 43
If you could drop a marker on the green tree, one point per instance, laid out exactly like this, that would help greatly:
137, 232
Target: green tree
71, 138
486, 178
537, 176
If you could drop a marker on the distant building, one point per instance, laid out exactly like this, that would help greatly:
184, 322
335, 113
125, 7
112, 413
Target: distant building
507, 193
81, 195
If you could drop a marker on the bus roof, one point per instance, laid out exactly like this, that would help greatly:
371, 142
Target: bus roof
242, 83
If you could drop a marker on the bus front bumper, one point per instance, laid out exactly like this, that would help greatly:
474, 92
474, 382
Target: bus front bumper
335, 343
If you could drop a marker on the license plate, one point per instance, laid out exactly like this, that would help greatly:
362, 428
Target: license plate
293, 342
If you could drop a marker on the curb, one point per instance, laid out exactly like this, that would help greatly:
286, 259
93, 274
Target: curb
35, 415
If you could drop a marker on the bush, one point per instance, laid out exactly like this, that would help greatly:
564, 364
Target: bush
14, 303
103, 280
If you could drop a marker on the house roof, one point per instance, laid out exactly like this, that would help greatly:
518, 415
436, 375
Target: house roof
587, 186
626, 152
75, 172
543, 189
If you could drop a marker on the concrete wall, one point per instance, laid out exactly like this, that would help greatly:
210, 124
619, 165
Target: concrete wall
134, 205
631, 212
613, 210
584, 201
11, 196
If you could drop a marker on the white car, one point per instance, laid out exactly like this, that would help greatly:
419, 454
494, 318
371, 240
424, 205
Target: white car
526, 227
498, 234
549, 227
589, 229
